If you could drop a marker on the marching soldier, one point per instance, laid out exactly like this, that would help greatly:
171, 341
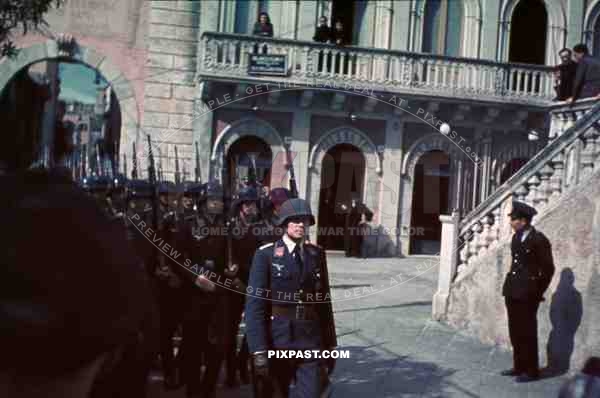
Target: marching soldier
277, 197
290, 306
128, 378
204, 243
169, 292
246, 233
530, 274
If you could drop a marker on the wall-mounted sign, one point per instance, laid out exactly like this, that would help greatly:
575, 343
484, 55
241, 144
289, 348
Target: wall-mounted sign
268, 64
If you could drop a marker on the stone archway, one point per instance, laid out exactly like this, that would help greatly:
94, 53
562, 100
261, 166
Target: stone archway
523, 150
251, 126
373, 162
590, 34
122, 88
555, 34
458, 164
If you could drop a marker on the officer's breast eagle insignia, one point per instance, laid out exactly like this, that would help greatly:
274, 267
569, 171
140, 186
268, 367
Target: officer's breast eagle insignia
278, 266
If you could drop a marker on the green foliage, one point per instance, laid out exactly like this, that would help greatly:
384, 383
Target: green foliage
24, 15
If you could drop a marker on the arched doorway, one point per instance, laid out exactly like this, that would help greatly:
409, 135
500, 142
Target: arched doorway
61, 112
249, 157
511, 167
528, 27
342, 179
430, 199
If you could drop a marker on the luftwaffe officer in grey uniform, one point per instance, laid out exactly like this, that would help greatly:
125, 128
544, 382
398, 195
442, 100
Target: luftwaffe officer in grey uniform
530, 274
285, 309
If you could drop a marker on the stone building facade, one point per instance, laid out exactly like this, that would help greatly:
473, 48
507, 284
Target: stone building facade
179, 70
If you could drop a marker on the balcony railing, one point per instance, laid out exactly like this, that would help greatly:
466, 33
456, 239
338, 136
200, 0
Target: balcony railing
226, 55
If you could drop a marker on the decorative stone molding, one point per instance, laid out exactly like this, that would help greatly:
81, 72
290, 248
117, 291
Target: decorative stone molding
428, 143
121, 86
345, 135
251, 126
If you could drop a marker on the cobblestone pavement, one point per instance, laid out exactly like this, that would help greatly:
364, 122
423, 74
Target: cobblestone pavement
396, 350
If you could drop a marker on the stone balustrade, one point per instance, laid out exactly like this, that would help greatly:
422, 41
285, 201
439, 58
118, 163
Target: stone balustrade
226, 56
572, 155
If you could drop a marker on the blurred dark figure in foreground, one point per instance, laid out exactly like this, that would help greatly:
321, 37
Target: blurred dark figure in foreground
585, 384
565, 75
70, 307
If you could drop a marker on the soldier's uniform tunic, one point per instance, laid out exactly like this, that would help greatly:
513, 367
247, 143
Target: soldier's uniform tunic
291, 273
530, 274
204, 319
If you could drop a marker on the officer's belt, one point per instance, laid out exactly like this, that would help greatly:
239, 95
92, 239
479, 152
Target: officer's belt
298, 312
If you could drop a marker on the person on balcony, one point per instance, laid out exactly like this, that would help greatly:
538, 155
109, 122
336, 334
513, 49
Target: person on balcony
323, 31
565, 75
323, 35
264, 28
338, 37
587, 78
530, 274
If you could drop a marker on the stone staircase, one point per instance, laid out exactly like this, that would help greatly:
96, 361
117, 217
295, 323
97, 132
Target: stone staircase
563, 183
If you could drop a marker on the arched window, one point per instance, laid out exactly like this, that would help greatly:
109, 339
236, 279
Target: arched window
596, 38
442, 27
528, 26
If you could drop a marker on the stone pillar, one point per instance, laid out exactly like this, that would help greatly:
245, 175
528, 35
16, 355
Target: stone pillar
307, 20
489, 29
299, 150
202, 134
169, 83
486, 167
383, 22
365, 26
400, 24
389, 204
448, 262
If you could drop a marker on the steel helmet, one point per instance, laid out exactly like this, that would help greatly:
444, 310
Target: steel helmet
295, 208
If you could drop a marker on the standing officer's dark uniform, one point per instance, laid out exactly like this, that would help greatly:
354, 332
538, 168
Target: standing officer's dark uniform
530, 274
284, 311
203, 243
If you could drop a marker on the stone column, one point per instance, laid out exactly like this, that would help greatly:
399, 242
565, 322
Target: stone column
486, 167
489, 29
389, 204
366, 28
169, 83
299, 150
307, 20
202, 134
400, 24
383, 23
448, 262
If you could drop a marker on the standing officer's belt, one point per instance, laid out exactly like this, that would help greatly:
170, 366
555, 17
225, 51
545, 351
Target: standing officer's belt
298, 311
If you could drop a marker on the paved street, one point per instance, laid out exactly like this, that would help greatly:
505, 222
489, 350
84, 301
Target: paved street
395, 348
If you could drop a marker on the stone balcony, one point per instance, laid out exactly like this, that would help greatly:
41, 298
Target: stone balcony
225, 57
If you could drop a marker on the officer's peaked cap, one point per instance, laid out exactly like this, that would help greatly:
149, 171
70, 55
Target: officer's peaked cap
522, 210
295, 208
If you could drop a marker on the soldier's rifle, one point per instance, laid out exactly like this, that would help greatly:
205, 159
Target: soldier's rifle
155, 201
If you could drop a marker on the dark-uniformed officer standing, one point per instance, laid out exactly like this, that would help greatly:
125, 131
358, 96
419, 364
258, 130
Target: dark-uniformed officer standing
203, 243
289, 307
530, 274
